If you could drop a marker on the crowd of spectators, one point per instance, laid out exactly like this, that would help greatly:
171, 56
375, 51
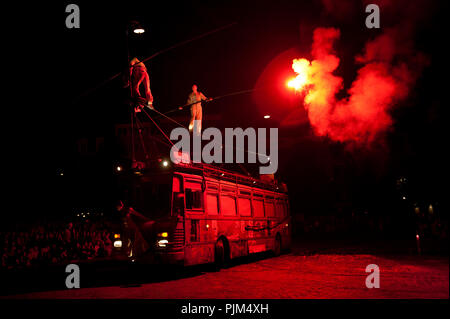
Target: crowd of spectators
62, 243
55, 243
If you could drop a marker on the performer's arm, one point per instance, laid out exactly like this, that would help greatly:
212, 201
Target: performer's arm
132, 213
204, 98
191, 99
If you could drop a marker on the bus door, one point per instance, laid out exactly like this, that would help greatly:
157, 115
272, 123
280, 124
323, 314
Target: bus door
178, 211
196, 250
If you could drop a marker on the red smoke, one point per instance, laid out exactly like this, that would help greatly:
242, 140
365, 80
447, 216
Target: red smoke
365, 113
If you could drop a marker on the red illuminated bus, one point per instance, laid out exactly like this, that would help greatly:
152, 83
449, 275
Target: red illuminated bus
196, 213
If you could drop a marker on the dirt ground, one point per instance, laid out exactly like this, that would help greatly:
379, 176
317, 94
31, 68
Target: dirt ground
290, 276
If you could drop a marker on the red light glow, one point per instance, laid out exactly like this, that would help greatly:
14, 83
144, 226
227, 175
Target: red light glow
364, 114
302, 68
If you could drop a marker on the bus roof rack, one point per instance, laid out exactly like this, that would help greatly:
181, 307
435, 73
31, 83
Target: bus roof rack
209, 170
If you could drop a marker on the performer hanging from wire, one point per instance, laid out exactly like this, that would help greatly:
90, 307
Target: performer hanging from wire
140, 85
196, 109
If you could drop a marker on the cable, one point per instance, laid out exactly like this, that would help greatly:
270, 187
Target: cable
170, 141
244, 170
190, 40
139, 125
205, 101
236, 93
167, 117
223, 146
133, 157
179, 108
219, 97
87, 92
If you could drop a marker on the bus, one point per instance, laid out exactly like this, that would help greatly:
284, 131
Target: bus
193, 214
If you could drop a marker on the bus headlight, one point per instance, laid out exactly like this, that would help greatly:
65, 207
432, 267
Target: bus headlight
163, 234
117, 244
162, 243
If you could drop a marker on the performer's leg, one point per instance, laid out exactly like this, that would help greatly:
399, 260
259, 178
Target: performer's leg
198, 117
191, 123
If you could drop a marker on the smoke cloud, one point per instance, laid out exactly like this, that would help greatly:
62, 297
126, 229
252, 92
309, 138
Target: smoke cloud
389, 67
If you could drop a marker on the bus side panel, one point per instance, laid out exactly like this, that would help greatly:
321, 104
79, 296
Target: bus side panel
198, 249
287, 228
230, 229
195, 254
258, 240
286, 235
238, 248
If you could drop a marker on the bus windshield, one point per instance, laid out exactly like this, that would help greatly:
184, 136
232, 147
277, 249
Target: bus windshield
152, 197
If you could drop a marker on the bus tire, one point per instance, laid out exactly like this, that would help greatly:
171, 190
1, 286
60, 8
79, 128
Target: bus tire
277, 245
220, 254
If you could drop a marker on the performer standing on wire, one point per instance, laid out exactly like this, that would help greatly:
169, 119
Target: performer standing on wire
196, 109
140, 85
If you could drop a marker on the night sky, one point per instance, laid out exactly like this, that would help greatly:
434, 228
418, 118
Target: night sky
52, 66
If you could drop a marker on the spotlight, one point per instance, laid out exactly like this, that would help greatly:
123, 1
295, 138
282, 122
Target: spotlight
136, 27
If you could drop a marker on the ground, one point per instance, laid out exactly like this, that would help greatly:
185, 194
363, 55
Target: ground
289, 276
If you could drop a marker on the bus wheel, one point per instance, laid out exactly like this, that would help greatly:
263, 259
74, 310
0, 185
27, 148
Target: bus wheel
219, 254
277, 247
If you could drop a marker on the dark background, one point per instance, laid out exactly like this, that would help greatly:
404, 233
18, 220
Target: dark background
49, 67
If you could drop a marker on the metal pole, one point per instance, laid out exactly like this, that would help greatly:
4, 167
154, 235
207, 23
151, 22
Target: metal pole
133, 159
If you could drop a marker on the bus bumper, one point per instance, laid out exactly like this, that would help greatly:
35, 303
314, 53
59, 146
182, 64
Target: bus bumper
169, 257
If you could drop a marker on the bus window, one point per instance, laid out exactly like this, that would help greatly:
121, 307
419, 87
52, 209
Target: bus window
286, 209
212, 187
212, 203
152, 199
244, 206
258, 207
193, 199
228, 190
228, 205
269, 208
279, 209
